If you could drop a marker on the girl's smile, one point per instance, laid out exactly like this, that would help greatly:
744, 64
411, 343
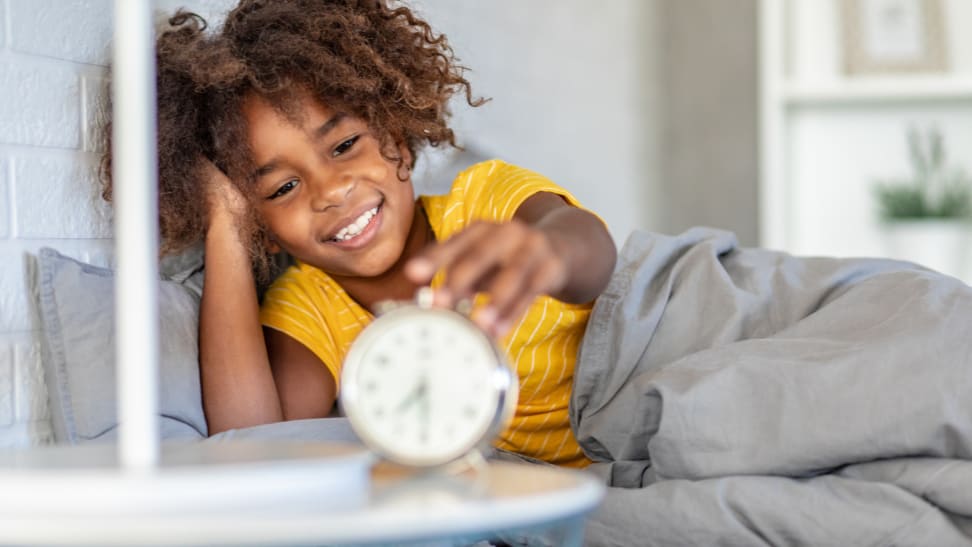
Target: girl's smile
359, 231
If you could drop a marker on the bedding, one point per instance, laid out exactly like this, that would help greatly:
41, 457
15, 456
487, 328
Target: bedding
336, 429
77, 314
736, 396
728, 396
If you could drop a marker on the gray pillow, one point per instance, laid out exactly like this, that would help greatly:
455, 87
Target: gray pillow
76, 302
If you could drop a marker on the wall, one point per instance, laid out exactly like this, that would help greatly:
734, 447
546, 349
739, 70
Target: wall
575, 96
709, 145
52, 58
645, 109
49, 78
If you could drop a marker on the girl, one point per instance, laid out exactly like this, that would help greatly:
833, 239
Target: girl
295, 129
732, 396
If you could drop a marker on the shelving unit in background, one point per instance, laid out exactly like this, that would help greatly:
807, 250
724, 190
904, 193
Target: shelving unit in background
878, 90
826, 138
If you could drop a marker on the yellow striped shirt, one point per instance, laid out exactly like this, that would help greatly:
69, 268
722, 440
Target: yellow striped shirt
312, 308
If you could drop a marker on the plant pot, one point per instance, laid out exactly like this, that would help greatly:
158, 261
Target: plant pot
939, 244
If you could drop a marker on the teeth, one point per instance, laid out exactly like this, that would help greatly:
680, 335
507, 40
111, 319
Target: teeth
355, 227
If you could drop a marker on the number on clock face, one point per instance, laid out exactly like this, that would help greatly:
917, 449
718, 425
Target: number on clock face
428, 388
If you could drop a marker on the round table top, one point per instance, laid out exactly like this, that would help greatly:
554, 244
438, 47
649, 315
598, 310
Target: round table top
259, 493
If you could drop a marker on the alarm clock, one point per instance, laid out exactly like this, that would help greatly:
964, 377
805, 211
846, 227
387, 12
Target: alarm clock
425, 386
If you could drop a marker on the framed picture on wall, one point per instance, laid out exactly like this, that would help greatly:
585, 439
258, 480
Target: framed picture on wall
886, 36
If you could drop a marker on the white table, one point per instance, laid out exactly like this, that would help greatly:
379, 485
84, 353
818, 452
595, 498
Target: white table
246, 493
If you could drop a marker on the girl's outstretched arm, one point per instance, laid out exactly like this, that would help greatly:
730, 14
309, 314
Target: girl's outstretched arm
247, 379
550, 247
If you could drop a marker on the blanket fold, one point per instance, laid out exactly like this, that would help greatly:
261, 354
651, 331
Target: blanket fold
723, 376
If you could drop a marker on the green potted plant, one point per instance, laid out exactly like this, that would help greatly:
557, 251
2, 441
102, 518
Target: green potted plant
927, 214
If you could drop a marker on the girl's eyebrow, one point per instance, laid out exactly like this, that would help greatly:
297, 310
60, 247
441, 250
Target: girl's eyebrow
318, 133
330, 124
265, 169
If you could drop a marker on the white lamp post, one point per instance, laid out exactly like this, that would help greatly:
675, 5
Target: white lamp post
135, 179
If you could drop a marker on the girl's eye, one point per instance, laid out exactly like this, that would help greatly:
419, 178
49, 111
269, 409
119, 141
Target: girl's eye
283, 190
344, 146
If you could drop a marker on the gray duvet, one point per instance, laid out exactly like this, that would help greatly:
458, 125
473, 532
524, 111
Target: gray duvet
745, 397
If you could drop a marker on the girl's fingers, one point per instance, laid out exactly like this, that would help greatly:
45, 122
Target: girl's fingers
514, 281
468, 258
222, 195
546, 275
510, 262
477, 266
422, 268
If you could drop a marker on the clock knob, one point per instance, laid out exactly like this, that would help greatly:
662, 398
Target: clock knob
425, 297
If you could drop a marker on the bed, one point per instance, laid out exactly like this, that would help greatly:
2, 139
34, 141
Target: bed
727, 396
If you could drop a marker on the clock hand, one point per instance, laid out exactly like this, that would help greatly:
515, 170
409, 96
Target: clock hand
424, 409
409, 399
417, 394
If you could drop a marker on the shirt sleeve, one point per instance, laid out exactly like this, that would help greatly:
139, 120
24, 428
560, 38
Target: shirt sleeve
290, 306
495, 190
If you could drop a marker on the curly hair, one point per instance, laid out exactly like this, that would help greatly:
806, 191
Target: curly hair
372, 59
182, 133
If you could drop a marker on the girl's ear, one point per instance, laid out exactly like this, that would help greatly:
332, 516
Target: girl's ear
407, 162
406, 155
272, 244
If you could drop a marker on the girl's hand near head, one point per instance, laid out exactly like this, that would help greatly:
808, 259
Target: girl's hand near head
224, 200
250, 375
549, 248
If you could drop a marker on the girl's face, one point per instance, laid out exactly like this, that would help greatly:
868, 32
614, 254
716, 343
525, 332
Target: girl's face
327, 195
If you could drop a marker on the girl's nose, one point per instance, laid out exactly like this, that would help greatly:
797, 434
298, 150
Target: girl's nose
331, 191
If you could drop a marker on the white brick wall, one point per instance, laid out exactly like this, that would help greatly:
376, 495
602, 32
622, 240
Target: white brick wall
4, 198
52, 75
70, 30
41, 105
6, 387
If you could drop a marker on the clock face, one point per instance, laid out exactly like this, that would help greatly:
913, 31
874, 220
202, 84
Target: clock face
424, 386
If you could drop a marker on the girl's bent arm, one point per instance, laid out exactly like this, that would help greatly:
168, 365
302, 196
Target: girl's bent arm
583, 242
306, 387
237, 385
249, 376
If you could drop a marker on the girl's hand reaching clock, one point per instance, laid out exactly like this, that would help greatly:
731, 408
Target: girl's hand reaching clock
548, 248
512, 262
